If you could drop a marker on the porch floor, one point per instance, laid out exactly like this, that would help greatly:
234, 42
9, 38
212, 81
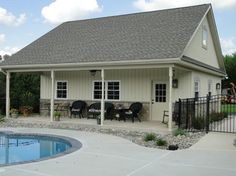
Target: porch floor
144, 126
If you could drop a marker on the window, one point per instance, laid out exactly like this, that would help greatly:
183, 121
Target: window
204, 37
196, 88
160, 92
111, 90
61, 91
97, 90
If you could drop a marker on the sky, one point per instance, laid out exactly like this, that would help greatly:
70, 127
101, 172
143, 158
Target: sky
23, 21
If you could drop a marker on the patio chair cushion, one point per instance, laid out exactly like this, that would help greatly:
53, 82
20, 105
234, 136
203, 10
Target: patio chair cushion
73, 109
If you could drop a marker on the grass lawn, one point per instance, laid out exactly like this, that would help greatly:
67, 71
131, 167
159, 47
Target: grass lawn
228, 108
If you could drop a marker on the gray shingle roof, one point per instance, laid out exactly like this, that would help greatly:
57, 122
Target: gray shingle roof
149, 35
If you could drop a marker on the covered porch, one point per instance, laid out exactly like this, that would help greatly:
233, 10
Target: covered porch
152, 85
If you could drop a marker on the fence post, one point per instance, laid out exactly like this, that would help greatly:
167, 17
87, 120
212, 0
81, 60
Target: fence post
179, 115
208, 113
187, 114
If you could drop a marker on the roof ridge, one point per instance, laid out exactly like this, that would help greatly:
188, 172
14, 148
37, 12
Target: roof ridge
135, 13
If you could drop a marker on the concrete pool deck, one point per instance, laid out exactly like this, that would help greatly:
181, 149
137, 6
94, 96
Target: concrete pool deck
108, 155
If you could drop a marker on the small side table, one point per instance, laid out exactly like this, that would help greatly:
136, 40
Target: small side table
120, 113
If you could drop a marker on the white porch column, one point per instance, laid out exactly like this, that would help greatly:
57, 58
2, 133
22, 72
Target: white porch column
102, 99
8, 77
52, 95
170, 98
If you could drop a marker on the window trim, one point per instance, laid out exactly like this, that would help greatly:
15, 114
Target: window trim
204, 29
67, 89
209, 82
106, 90
199, 87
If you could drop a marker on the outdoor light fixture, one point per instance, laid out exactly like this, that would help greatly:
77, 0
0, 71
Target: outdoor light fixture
93, 72
217, 86
175, 83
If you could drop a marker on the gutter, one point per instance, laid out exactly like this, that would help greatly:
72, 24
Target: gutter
3, 71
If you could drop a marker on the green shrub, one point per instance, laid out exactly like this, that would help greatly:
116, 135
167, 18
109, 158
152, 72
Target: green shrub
179, 131
198, 123
150, 137
161, 142
217, 116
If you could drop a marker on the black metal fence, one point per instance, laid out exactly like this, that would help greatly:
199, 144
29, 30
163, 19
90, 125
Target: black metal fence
210, 113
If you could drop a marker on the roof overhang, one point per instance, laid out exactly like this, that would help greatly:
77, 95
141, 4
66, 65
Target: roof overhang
151, 63
197, 65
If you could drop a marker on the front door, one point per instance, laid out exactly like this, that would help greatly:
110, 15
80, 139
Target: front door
160, 92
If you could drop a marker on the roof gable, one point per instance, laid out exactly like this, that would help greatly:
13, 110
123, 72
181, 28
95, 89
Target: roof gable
142, 36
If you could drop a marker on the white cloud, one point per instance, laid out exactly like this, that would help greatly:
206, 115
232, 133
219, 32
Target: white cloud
2, 38
9, 50
228, 45
66, 10
148, 5
7, 18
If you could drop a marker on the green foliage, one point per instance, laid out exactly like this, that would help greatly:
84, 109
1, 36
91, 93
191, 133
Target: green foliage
150, 137
161, 142
230, 66
57, 115
217, 116
25, 90
2, 119
198, 123
178, 132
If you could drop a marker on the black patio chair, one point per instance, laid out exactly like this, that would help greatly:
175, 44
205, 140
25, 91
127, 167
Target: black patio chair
95, 110
78, 108
133, 111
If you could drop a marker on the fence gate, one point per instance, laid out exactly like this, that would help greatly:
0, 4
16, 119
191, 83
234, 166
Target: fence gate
211, 113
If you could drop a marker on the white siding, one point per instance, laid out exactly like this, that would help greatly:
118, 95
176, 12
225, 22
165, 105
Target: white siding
184, 89
198, 52
135, 84
204, 79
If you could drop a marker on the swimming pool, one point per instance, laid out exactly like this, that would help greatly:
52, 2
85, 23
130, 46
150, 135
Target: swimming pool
21, 148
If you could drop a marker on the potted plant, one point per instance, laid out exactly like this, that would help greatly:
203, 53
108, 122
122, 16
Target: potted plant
57, 116
99, 119
26, 110
14, 113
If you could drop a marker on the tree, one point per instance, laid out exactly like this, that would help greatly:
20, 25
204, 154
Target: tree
230, 66
25, 90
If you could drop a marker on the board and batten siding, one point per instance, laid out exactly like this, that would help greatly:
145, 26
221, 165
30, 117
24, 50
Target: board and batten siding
196, 50
204, 79
135, 84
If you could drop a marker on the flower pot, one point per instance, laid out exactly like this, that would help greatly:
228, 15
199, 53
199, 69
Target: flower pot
13, 115
98, 121
57, 118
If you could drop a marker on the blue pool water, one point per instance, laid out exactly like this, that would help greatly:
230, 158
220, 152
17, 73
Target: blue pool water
18, 148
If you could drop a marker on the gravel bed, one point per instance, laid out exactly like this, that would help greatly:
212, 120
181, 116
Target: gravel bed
183, 141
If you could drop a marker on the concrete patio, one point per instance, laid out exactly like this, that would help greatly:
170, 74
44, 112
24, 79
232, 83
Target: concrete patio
114, 156
144, 126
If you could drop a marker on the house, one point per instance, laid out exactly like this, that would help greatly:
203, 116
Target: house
152, 57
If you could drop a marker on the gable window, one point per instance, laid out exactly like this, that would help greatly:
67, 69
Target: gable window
204, 37
196, 89
61, 89
160, 92
112, 90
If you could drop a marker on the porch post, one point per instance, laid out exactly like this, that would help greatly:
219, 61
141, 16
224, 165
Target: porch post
102, 99
52, 95
8, 76
170, 98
